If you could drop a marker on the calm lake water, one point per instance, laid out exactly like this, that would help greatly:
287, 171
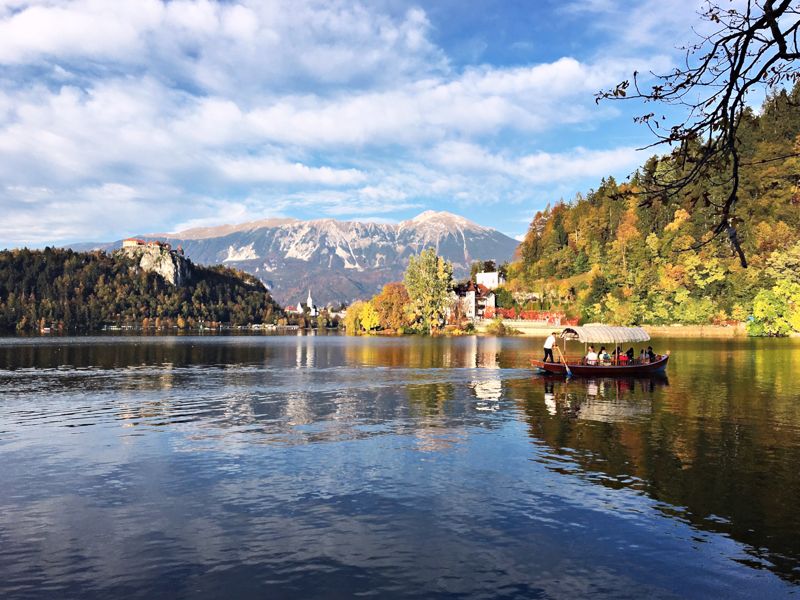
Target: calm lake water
334, 467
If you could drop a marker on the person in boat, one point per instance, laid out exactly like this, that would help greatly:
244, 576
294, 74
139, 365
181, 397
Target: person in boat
642, 357
603, 357
622, 358
591, 356
651, 356
548, 347
630, 354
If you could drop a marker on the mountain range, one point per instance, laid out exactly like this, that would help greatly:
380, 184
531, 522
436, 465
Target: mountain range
339, 261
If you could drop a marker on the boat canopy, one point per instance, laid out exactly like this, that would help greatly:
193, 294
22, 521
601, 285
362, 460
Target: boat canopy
605, 334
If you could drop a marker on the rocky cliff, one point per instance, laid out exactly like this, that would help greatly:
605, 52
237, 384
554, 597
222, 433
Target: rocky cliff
160, 259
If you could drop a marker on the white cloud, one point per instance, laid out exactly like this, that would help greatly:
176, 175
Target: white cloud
540, 167
90, 29
646, 23
40, 215
136, 115
210, 212
219, 45
479, 102
271, 169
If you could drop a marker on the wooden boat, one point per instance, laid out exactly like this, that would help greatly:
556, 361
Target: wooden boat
602, 334
583, 370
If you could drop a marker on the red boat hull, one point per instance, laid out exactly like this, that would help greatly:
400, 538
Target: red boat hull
657, 366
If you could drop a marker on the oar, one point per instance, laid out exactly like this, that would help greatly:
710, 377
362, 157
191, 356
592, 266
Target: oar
561, 354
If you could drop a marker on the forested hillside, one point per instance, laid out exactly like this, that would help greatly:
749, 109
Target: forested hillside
78, 291
611, 257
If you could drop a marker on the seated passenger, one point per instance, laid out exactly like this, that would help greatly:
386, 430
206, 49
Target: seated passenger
591, 356
642, 357
630, 354
604, 358
623, 359
651, 356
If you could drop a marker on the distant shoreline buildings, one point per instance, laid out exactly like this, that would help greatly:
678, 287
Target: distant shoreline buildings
313, 311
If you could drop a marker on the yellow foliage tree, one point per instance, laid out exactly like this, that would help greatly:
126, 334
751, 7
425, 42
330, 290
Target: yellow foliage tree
369, 317
352, 319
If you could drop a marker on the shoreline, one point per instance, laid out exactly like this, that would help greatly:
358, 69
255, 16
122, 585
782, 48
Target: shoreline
540, 330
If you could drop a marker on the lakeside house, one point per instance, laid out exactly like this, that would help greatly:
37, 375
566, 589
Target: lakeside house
477, 298
490, 279
474, 299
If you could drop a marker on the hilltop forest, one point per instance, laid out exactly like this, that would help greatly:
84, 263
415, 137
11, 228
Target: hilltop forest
608, 256
83, 291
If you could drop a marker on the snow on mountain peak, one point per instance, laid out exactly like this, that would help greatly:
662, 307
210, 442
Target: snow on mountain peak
444, 218
341, 260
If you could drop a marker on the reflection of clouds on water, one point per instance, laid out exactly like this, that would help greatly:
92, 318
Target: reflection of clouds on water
236, 448
238, 410
346, 407
299, 409
435, 440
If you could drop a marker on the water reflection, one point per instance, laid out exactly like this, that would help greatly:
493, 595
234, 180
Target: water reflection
487, 383
727, 472
421, 467
602, 399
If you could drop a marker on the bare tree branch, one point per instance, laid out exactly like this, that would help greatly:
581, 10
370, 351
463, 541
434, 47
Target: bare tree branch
754, 47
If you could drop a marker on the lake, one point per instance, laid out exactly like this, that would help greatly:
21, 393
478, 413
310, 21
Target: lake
334, 467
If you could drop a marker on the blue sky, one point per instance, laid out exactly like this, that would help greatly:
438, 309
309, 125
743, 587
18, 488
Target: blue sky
135, 116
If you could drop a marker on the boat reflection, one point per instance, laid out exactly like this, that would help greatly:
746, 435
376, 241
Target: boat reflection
606, 400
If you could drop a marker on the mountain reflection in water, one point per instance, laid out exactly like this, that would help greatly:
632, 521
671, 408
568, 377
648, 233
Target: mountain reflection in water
328, 466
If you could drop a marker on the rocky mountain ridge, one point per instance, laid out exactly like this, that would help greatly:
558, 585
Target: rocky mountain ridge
340, 261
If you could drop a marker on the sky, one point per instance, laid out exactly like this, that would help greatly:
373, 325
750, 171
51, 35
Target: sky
134, 116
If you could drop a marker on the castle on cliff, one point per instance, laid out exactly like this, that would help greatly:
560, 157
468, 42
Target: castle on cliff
158, 257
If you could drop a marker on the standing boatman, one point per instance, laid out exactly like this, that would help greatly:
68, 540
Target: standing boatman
548, 347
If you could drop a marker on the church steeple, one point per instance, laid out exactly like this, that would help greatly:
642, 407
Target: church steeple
310, 302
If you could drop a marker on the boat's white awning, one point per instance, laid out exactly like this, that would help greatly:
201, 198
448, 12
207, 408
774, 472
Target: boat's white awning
605, 334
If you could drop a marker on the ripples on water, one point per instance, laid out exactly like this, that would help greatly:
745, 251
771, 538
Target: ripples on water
326, 467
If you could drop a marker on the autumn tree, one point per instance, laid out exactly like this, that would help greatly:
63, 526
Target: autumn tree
428, 280
352, 318
369, 317
627, 235
392, 305
745, 48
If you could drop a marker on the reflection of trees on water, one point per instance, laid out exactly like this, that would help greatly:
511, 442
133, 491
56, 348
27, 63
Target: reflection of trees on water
708, 447
427, 400
423, 352
431, 406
